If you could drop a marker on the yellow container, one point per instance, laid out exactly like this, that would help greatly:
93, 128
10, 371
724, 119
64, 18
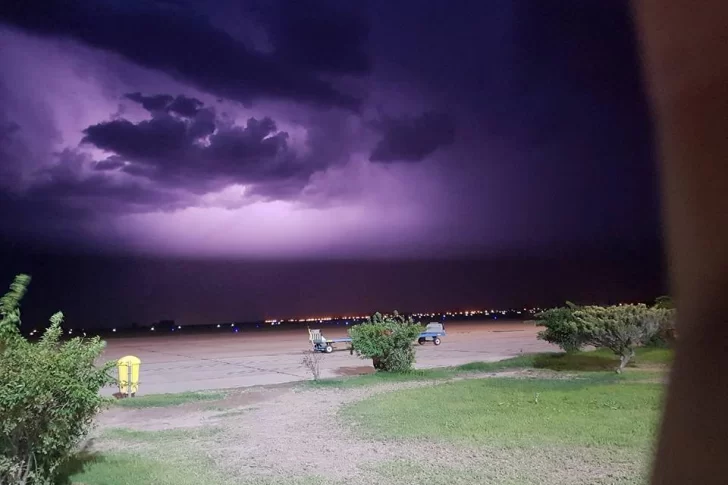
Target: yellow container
128, 374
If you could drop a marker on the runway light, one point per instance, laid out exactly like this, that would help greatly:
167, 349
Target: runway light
179, 326
113, 330
218, 325
152, 329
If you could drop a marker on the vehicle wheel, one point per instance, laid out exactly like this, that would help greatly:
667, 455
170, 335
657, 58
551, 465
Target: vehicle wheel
421, 340
329, 349
436, 341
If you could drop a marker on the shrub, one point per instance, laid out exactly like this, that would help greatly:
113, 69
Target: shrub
560, 328
664, 302
619, 328
667, 334
49, 395
387, 341
312, 361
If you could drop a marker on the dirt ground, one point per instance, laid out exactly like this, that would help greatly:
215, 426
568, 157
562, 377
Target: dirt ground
179, 362
278, 434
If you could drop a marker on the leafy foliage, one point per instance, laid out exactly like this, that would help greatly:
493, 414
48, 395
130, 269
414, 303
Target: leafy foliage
667, 333
10, 310
49, 395
387, 341
619, 328
664, 302
561, 328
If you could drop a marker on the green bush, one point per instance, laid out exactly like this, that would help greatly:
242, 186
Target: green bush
387, 341
667, 333
620, 328
48, 397
560, 328
664, 302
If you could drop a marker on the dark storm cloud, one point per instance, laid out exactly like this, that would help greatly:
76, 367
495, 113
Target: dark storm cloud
162, 136
157, 102
64, 205
96, 194
192, 153
10, 150
184, 106
543, 95
179, 41
181, 105
411, 139
318, 35
113, 162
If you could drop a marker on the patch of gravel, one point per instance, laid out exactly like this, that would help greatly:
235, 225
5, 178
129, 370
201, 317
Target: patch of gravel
153, 419
299, 433
190, 415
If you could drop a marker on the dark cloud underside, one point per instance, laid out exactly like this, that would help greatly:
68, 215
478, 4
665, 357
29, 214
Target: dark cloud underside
179, 41
414, 138
193, 148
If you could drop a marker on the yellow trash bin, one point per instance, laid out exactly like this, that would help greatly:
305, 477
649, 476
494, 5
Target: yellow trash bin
128, 375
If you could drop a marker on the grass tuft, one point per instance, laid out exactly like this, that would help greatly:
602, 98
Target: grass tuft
382, 378
133, 469
599, 360
589, 361
164, 400
126, 434
522, 361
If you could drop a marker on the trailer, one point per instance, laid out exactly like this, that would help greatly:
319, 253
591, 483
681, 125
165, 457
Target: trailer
433, 331
323, 344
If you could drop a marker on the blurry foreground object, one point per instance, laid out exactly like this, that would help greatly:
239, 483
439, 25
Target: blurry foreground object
685, 54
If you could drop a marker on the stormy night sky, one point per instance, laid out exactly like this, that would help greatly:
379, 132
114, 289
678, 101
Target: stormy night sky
262, 159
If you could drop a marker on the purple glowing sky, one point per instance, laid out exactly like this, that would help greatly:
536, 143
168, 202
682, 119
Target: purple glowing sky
266, 130
327, 140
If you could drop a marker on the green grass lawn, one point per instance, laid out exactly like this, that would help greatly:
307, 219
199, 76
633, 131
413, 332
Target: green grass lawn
568, 419
163, 400
133, 469
588, 361
516, 413
600, 360
598, 425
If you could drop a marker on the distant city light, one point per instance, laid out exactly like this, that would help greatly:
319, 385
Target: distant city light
355, 319
113, 330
